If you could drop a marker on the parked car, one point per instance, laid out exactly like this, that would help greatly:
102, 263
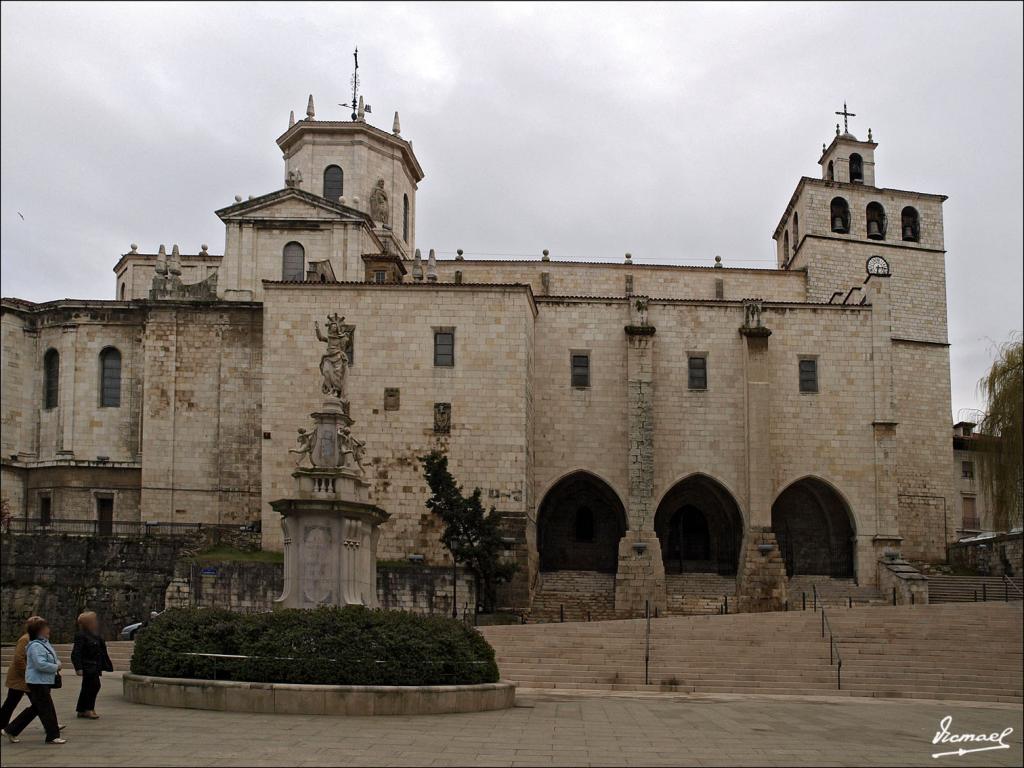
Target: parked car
129, 632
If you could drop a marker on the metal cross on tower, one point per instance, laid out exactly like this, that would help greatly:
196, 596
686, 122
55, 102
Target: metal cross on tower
845, 113
355, 88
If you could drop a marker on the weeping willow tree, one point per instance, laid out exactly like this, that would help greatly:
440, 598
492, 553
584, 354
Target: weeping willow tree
1002, 428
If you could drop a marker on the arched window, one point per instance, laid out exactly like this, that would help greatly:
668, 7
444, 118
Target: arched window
110, 378
875, 215
840, 214
910, 224
785, 246
584, 524
405, 218
293, 262
831, 172
856, 168
796, 231
51, 378
334, 182
123, 286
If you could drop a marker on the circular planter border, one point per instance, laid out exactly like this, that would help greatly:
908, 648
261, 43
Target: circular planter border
293, 699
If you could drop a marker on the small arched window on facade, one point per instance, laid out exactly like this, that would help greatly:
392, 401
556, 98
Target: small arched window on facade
840, 215
584, 524
785, 246
910, 224
796, 231
51, 378
293, 262
123, 286
856, 168
334, 182
875, 215
830, 174
110, 378
405, 218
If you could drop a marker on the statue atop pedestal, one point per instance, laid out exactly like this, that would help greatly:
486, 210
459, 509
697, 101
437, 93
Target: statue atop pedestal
330, 523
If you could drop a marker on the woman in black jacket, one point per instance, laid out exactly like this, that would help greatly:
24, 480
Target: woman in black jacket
91, 660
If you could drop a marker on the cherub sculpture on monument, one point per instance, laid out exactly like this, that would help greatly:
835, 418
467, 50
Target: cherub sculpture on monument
379, 208
334, 361
306, 441
352, 446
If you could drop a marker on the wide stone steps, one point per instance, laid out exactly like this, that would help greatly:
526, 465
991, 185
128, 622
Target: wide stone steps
967, 589
120, 654
968, 652
573, 596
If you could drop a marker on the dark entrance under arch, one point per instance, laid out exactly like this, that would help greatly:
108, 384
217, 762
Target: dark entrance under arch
812, 524
700, 527
579, 525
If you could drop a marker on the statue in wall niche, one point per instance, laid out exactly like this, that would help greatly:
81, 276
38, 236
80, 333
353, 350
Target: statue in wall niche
752, 314
306, 441
641, 309
351, 446
334, 361
379, 208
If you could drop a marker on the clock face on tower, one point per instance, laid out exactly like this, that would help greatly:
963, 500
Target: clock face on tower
878, 266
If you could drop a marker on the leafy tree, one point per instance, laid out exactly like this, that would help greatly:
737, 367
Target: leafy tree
1002, 428
471, 535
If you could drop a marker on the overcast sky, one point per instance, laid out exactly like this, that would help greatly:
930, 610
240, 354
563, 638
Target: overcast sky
673, 132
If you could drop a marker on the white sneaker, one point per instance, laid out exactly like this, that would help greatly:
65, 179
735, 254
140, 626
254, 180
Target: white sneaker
58, 741
10, 737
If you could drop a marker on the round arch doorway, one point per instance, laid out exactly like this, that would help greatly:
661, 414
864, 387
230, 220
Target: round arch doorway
700, 527
579, 525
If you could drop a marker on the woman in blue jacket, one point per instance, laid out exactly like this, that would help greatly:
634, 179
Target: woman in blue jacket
41, 670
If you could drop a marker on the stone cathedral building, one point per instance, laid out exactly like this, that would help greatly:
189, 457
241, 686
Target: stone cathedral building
630, 421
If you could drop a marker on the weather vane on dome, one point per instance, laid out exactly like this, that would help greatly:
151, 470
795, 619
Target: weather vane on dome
845, 113
358, 108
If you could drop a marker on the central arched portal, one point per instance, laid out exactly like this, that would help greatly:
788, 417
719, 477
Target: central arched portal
579, 525
700, 527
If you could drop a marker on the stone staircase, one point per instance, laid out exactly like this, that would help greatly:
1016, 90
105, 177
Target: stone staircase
956, 652
964, 589
832, 593
697, 594
579, 595
120, 654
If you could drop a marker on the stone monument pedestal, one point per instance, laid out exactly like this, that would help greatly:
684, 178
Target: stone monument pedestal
330, 523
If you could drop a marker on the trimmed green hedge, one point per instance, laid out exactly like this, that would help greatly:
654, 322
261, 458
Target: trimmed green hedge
326, 646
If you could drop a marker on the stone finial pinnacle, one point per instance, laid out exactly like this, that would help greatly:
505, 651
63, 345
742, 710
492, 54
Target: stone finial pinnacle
174, 251
718, 262
458, 255
361, 111
837, 124
417, 266
396, 127
291, 118
629, 258
161, 260
310, 111
869, 135
431, 267
135, 248
545, 255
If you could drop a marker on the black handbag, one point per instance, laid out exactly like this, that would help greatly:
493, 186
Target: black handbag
57, 682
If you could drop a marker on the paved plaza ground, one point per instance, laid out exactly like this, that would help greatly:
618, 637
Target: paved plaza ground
544, 729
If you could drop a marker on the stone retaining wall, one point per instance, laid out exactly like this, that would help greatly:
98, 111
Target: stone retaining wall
994, 556
291, 699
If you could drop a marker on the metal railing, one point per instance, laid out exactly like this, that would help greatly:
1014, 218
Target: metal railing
833, 650
111, 527
1007, 583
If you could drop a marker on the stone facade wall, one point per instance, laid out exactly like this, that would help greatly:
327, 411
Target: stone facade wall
135, 272
928, 509
565, 278
487, 388
203, 373
253, 587
972, 487
58, 577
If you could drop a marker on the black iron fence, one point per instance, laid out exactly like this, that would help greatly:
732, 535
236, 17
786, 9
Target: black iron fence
112, 527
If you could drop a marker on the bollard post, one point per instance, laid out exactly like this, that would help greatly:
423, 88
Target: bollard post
894, 595
850, 598
803, 599
984, 592
823, 626
588, 615
726, 605
911, 598
561, 613
814, 588
647, 644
